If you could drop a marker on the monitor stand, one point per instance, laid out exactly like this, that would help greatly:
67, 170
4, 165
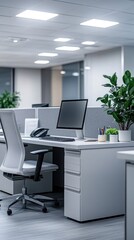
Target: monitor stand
79, 134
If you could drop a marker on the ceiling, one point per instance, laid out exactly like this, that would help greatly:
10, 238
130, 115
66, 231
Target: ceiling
37, 36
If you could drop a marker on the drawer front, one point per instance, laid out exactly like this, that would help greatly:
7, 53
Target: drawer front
72, 182
71, 211
72, 161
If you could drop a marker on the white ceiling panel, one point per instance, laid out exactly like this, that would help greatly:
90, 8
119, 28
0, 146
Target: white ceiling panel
37, 36
104, 4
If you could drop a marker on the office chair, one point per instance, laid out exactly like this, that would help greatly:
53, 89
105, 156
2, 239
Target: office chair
14, 167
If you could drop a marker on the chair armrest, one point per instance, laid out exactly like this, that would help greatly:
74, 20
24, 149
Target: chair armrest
40, 154
37, 152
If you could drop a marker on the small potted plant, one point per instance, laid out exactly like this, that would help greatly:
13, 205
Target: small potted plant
112, 133
119, 102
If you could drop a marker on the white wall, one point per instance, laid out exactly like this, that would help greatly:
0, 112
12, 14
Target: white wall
28, 84
104, 62
28, 81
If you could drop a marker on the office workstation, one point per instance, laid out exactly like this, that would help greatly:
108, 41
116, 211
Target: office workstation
43, 69
92, 174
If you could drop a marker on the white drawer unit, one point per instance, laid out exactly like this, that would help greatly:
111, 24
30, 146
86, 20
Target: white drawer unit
72, 182
94, 184
72, 161
72, 204
72, 170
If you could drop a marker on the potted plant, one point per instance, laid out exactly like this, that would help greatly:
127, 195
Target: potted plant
112, 133
9, 100
119, 101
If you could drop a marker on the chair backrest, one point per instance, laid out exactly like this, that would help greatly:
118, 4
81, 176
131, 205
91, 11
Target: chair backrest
15, 154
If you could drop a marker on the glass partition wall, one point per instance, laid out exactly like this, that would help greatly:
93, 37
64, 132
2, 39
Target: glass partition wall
62, 83
6, 80
72, 81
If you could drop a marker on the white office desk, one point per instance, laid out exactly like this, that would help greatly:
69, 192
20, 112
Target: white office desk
78, 144
128, 159
94, 179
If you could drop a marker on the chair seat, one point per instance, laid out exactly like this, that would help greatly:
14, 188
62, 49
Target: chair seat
30, 165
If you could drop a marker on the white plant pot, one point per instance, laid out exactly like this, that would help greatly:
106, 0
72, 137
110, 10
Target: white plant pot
113, 138
102, 138
124, 135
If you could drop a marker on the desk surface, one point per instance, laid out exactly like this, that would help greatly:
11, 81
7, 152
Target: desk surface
76, 145
126, 155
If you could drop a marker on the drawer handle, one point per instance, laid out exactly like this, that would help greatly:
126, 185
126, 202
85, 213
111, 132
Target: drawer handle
72, 172
72, 189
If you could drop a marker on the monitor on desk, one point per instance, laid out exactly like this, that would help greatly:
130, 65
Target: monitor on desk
72, 115
40, 105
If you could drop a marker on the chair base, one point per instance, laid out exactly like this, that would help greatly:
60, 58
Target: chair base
24, 198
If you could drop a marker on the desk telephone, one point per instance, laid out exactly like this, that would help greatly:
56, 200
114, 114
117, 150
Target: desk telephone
39, 132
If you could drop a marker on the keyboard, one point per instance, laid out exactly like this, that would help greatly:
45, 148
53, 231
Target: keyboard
58, 139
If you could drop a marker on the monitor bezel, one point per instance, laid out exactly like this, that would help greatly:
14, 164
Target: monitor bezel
72, 100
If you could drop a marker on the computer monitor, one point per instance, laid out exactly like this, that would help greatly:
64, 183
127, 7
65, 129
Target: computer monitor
40, 105
72, 115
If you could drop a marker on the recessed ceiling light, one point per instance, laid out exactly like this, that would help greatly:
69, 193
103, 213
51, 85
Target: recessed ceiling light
36, 15
48, 54
75, 74
87, 68
41, 62
88, 43
63, 72
62, 39
67, 48
99, 23
15, 40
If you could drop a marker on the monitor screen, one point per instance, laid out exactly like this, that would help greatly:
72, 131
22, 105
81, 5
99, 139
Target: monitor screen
40, 105
72, 114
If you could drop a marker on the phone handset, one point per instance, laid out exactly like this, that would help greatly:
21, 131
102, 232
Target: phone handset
39, 132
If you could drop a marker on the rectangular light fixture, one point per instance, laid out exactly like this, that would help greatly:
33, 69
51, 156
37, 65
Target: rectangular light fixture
88, 43
48, 54
36, 15
99, 23
62, 39
41, 62
67, 48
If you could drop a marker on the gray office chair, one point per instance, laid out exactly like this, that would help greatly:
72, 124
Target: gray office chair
14, 166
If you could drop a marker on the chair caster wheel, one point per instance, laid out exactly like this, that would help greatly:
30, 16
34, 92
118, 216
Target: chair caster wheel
9, 212
44, 210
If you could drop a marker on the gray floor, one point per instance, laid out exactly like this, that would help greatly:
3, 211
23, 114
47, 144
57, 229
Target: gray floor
34, 225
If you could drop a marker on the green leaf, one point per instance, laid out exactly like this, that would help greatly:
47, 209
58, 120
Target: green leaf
109, 103
116, 117
99, 98
127, 77
114, 79
108, 77
107, 85
131, 91
128, 73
